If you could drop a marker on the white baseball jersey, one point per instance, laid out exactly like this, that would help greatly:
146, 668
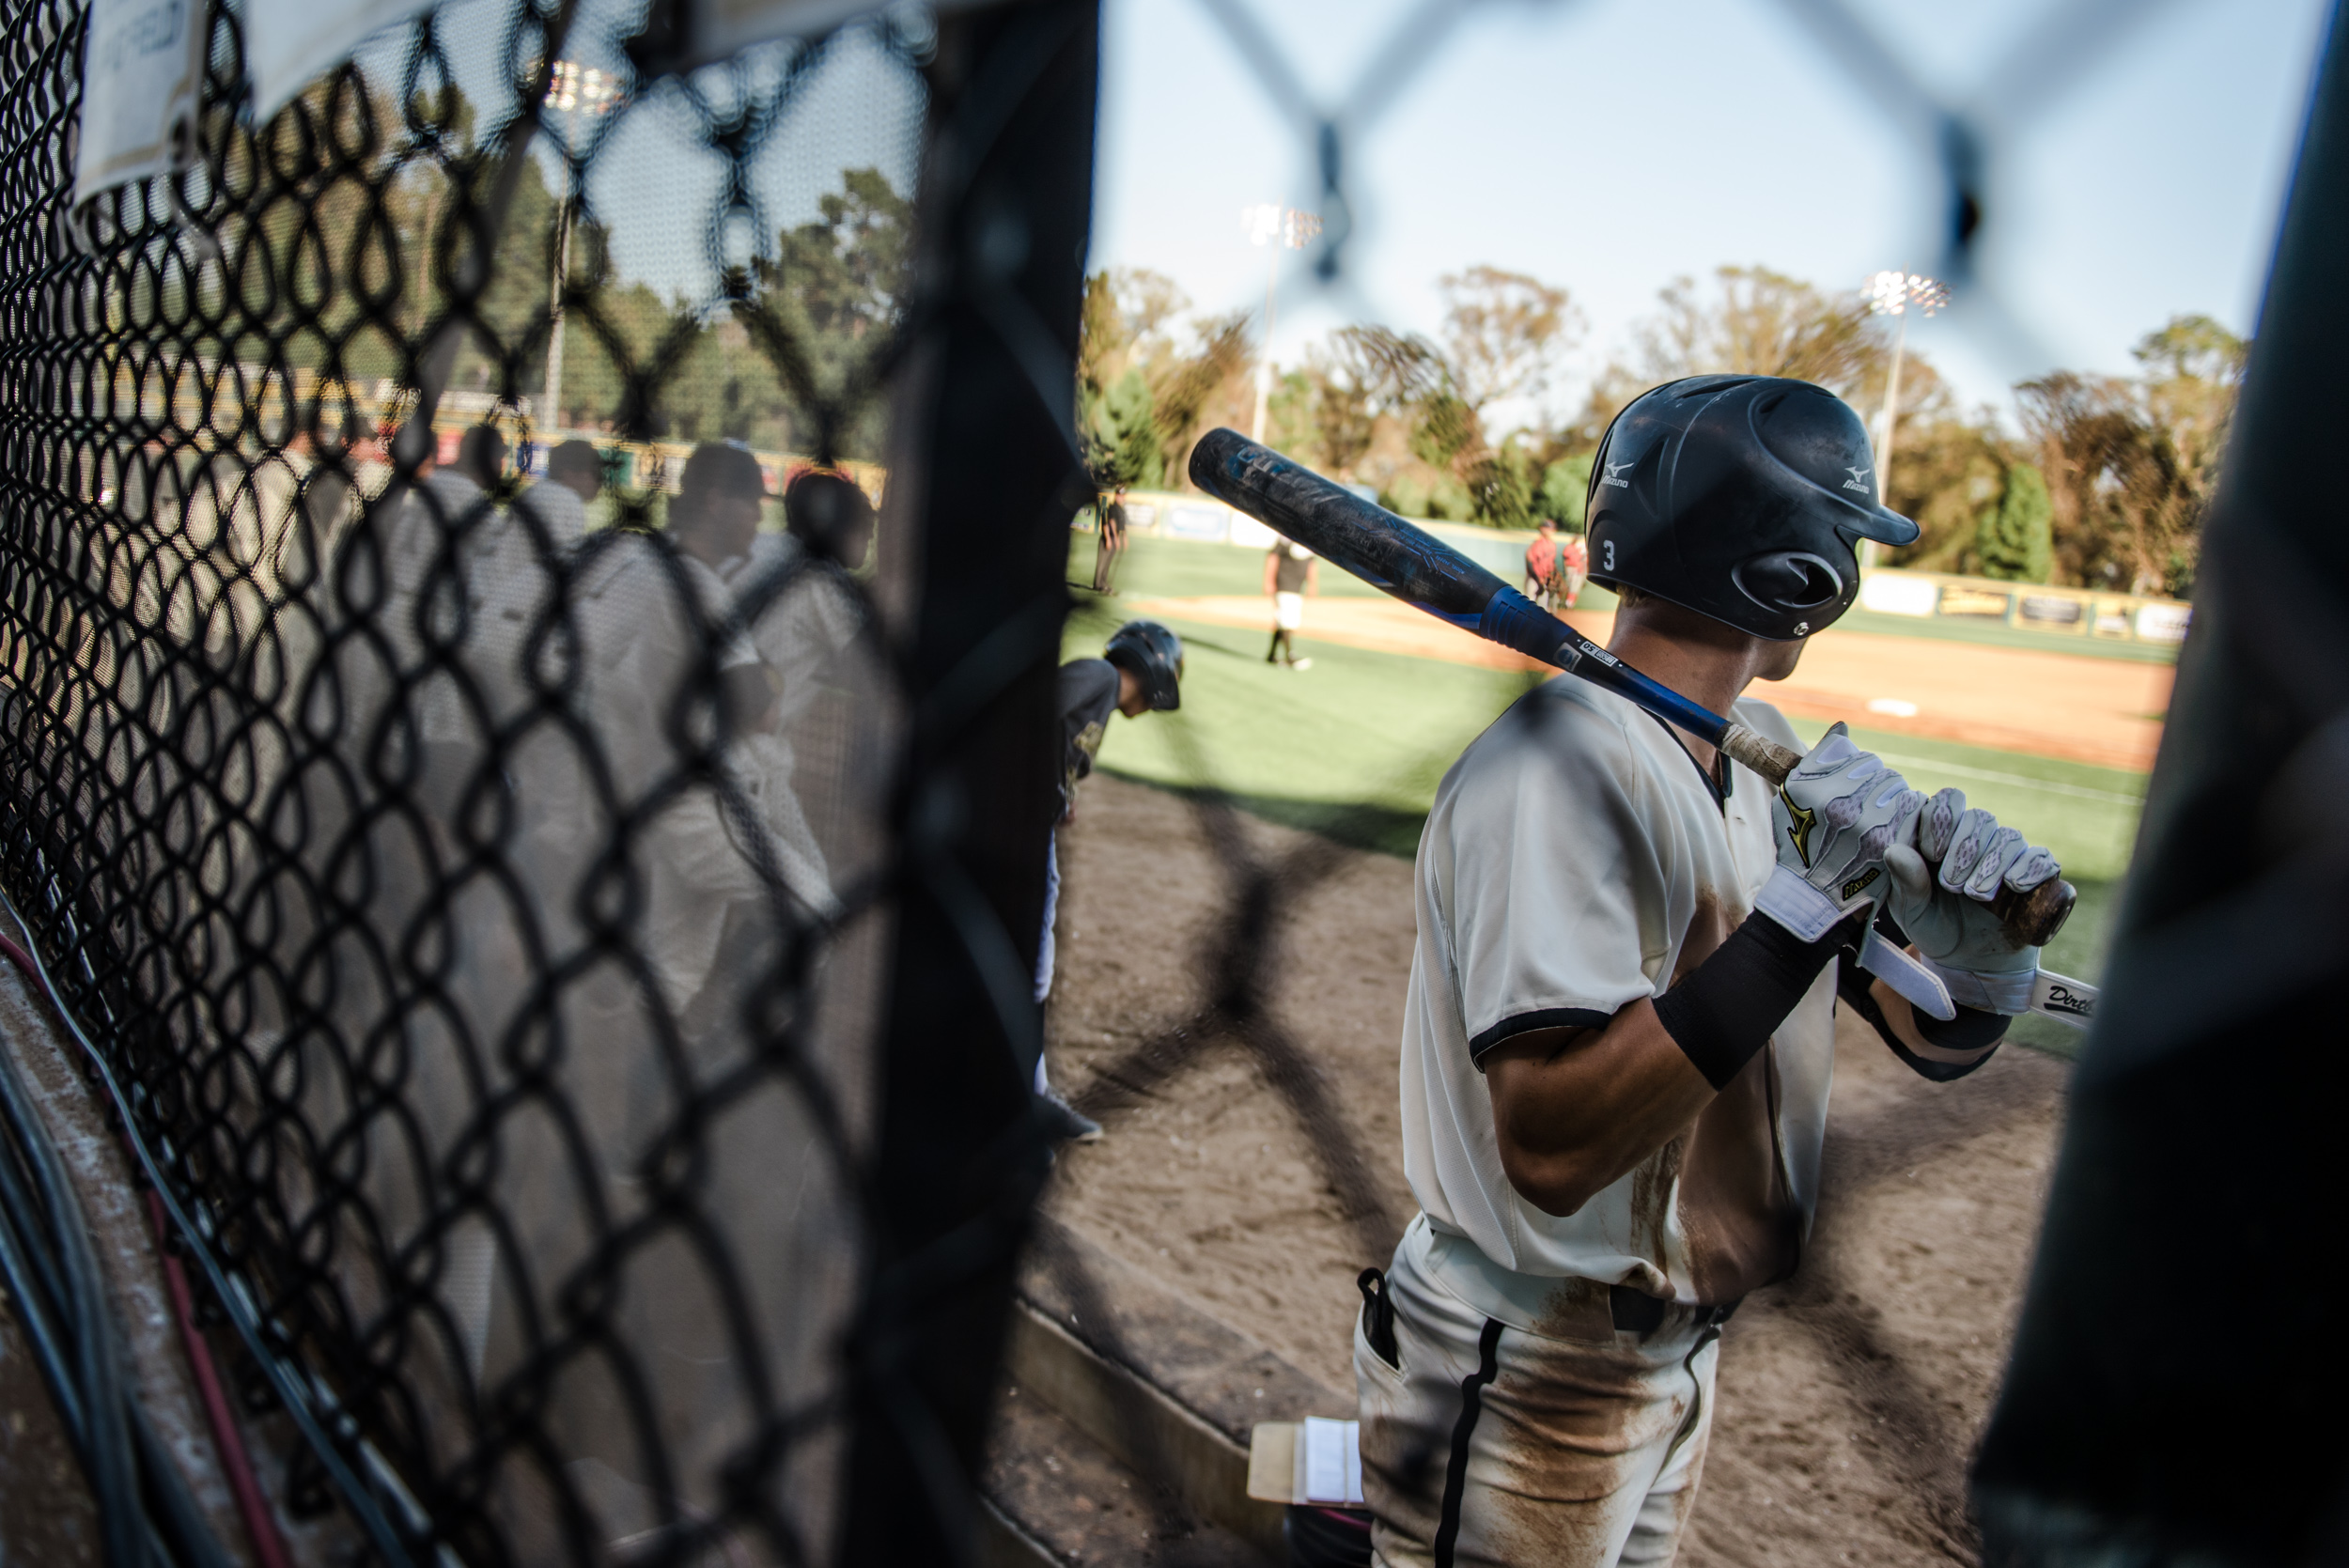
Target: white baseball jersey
1576, 860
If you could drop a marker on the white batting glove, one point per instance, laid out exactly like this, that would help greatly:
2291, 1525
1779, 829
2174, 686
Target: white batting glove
1948, 915
1833, 819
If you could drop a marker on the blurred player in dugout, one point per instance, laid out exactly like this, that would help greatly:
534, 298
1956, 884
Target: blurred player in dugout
1140, 671
1619, 1034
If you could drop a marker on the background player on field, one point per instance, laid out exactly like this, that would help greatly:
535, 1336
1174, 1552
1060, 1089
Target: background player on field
1573, 568
1541, 564
1140, 671
1619, 1034
1290, 572
1110, 543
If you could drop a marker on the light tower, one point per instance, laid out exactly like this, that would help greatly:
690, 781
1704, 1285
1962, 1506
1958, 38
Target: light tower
1896, 294
577, 90
1284, 228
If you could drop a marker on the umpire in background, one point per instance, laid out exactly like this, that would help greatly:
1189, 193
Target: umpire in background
1110, 542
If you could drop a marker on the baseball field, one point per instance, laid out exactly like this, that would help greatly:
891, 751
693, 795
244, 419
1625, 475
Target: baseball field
1851, 1396
1355, 746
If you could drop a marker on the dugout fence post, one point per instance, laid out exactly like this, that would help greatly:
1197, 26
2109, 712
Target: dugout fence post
984, 436
2176, 1383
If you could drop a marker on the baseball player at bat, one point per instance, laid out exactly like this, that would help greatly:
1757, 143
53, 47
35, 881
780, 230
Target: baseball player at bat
1620, 1031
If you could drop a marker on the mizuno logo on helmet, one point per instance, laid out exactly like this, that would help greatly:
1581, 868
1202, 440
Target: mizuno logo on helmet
1612, 469
1858, 480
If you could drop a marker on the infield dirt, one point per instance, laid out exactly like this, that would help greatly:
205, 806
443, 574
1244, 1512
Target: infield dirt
1851, 1396
2056, 705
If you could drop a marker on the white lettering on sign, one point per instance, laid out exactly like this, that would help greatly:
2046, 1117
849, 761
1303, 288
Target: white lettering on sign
142, 69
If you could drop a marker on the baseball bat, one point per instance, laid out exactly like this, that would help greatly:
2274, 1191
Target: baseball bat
1423, 571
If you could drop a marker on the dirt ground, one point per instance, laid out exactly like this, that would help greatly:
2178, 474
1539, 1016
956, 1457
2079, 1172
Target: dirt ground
2077, 707
1851, 1396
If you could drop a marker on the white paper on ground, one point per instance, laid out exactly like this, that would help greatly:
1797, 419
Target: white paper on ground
289, 43
142, 71
1333, 1461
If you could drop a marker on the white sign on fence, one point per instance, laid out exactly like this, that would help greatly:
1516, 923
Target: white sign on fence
141, 72
289, 43
1898, 595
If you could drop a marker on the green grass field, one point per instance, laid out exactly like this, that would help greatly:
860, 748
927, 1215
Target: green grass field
1187, 568
1355, 747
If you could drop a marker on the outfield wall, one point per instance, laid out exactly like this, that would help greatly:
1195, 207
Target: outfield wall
2083, 612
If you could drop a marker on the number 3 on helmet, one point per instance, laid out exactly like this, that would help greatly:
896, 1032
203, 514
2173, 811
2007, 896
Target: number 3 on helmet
1739, 497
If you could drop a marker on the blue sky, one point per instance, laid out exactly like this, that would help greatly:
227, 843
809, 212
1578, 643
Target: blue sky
1611, 145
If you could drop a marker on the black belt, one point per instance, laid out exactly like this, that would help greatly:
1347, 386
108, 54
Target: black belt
1635, 1312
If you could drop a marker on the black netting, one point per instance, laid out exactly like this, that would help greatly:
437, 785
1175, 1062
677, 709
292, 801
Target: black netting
530, 576
450, 739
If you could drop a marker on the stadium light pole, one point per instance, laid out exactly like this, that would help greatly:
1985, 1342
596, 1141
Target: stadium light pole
1896, 294
1282, 229
577, 90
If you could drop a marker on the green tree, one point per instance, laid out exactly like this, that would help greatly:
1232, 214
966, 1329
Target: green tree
1121, 438
842, 273
2016, 540
1566, 490
1503, 333
1754, 321
1130, 325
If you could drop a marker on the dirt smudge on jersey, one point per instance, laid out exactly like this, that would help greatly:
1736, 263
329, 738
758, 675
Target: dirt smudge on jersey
1738, 1218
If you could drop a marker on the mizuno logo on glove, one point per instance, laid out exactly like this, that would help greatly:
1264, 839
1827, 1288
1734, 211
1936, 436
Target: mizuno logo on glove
1800, 820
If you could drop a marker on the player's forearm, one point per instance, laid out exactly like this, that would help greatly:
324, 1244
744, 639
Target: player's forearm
1936, 1051
1578, 1109
1574, 1111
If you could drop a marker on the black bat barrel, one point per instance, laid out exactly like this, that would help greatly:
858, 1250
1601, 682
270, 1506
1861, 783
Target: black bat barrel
1374, 545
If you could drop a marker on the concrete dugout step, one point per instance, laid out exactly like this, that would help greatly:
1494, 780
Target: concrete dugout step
1153, 1385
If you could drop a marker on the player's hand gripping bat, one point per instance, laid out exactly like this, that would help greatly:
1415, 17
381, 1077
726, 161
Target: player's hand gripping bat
1390, 554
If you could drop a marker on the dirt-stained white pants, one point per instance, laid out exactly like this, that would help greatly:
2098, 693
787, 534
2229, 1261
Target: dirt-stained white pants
1520, 1428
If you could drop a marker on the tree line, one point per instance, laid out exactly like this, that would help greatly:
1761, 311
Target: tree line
2103, 485
763, 357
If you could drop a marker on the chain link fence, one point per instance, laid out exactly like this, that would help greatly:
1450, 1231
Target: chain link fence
531, 583
466, 679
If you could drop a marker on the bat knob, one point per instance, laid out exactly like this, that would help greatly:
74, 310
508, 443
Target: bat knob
2034, 918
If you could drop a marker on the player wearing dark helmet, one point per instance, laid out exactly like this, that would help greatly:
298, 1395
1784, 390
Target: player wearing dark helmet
1741, 498
1140, 671
1619, 1036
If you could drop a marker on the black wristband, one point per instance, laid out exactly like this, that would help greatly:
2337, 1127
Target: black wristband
1723, 1012
1971, 1029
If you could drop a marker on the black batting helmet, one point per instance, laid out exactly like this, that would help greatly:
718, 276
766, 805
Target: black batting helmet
1739, 497
1154, 655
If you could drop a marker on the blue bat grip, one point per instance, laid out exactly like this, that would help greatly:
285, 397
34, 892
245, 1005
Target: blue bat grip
1515, 621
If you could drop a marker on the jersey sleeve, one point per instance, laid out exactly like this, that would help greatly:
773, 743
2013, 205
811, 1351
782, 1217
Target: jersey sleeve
1555, 876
